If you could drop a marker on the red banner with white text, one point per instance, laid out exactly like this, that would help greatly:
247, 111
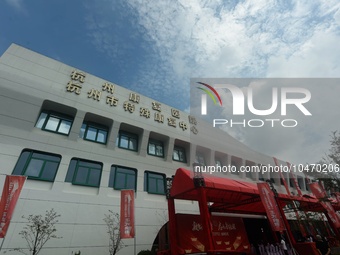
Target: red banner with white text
229, 234
10, 194
270, 205
320, 193
127, 212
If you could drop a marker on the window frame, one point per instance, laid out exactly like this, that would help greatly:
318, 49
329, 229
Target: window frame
113, 177
98, 128
147, 182
199, 158
179, 149
72, 172
156, 143
23, 169
61, 117
130, 136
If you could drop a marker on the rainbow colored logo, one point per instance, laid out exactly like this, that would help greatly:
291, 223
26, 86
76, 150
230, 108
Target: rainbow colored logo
209, 92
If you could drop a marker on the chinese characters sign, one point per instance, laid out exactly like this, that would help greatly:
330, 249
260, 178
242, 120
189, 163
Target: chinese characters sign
130, 105
127, 211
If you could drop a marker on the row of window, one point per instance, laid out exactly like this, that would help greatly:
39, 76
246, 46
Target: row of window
44, 166
61, 124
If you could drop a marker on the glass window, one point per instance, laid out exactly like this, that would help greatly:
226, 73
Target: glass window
300, 181
200, 159
154, 183
37, 165
54, 122
307, 183
123, 178
155, 148
249, 173
93, 132
272, 177
83, 172
179, 154
127, 141
236, 167
261, 177
218, 163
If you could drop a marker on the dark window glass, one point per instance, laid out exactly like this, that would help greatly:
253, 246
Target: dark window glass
154, 183
37, 165
261, 177
155, 148
83, 172
179, 154
200, 159
307, 184
249, 174
93, 132
123, 178
54, 122
300, 182
127, 141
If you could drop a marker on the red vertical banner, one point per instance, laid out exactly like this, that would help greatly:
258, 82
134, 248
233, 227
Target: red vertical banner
320, 193
10, 194
127, 214
269, 203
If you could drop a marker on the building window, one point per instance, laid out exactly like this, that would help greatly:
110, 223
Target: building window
154, 183
307, 183
37, 165
200, 159
249, 174
127, 141
93, 132
218, 163
123, 178
300, 181
83, 172
54, 122
156, 148
260, 173
272, 177
235, 166
179, 154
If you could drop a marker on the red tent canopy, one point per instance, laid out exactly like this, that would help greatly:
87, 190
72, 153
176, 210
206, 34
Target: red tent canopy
230, 195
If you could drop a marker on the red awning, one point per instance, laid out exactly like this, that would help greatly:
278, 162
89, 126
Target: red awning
230, 195
218, 189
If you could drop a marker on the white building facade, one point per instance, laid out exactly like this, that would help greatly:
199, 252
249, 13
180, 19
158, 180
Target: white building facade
81, 139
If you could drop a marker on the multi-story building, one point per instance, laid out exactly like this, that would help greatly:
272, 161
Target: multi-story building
81, 139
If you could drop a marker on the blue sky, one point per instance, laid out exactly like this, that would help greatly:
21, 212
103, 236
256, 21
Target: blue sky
155, 47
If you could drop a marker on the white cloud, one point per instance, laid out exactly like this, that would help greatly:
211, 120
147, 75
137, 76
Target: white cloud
16, 4
201, 38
